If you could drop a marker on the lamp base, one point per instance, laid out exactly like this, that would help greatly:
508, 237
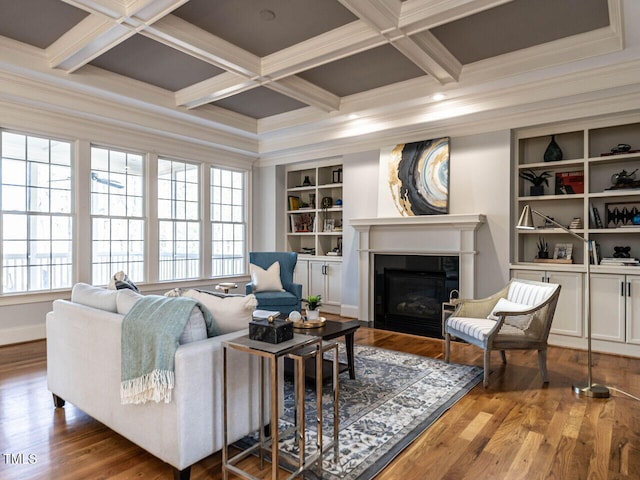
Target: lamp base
593, 391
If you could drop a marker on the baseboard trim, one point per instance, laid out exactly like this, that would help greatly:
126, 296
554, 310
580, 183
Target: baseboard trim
29, 333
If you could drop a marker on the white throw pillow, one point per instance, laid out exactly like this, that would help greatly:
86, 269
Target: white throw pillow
95, 297
266, 280
519, 321
194, 330
230, 314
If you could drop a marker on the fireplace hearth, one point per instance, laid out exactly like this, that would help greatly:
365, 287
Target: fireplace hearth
409, 291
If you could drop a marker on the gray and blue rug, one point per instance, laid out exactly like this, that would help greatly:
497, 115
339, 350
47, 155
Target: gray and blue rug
394, 398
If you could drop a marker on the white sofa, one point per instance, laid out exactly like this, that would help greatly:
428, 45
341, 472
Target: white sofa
83, 367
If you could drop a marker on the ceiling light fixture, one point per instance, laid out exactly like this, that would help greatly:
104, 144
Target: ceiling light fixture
439, 96
353, 116
267, 15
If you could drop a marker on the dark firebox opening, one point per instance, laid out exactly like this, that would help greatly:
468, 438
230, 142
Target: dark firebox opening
409, 291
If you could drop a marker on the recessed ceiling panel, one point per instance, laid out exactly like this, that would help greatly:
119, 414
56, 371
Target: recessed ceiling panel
265, 26
37, 22
260, 102
370, 69
146, 60
520, 24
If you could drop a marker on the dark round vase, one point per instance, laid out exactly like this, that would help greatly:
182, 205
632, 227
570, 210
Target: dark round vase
553, 153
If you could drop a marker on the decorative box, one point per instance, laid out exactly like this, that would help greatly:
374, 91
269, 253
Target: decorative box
272, 332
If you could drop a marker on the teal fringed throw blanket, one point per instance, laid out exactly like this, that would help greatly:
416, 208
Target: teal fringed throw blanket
150, 334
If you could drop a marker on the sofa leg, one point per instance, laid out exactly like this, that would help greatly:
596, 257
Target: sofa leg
447, 346
181, 474
487, 361
58, 402
503, 354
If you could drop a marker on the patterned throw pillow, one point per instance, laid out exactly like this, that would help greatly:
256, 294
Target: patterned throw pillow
120, 281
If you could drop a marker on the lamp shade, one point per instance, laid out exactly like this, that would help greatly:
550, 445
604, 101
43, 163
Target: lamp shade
526, 219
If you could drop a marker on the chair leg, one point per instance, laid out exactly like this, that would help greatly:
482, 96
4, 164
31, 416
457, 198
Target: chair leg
503, 354
447, 346
542, 363
487, 361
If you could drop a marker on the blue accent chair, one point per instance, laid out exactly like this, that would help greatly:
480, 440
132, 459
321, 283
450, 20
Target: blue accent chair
284, 302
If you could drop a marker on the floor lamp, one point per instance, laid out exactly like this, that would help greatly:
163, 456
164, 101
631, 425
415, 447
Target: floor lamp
589, 389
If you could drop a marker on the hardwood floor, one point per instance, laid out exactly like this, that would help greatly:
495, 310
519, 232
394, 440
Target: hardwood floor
515, 429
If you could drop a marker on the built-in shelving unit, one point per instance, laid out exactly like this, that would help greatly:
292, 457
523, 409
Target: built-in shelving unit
586, 152
615, 289
314, 210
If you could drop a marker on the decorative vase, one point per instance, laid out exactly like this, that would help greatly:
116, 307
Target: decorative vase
543, 254
553, 153
313, 314
307, 181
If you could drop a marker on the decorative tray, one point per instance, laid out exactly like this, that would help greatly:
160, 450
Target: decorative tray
310, 323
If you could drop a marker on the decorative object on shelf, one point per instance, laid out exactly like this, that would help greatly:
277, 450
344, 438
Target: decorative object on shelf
312, 200
563, 251
337, 175
576, 223
568, 183
621, 214
313, 303
553, 153
307, 251
418, 176
307, 181
339, 202
589, 389
543, 248
329, 224
327, 202
621, 252
596, 221
303, 223
624, 180
294, 316
621, 148
636, 219
537, 179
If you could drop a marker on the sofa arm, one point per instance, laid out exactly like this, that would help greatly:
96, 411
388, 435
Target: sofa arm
249, 288
296, 289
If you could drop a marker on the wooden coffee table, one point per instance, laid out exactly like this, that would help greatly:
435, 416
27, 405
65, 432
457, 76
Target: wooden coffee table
330, 330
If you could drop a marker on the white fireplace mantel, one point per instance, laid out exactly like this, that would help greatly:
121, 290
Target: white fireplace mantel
453, 234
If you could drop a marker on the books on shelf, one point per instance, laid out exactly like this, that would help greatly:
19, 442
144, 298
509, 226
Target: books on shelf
613, 261
594, 216
294, 202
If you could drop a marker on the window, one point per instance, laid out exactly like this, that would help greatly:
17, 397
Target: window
179, 220
37, 227
117, 215
227, 222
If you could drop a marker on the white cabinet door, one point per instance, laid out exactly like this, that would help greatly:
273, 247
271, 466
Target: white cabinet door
333, 284
568, 317
316, 279
608, 299
633, 309
301, 275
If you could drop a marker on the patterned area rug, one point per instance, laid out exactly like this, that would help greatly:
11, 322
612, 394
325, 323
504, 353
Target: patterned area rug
394, 398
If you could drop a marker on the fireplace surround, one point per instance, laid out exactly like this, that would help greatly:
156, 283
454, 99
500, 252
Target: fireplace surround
426, 235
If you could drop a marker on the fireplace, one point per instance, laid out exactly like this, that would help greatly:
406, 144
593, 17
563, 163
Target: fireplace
409, 291
452, 235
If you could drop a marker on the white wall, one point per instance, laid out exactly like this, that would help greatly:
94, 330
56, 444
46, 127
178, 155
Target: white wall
479, 183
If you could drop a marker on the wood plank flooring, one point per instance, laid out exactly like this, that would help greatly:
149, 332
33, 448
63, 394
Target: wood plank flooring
515, 429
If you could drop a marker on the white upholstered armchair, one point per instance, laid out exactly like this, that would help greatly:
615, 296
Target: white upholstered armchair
517, 317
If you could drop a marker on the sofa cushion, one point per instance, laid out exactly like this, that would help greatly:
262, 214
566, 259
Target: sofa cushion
194, 330
266, 299
521, 322
266, 280
230, 313
95, 297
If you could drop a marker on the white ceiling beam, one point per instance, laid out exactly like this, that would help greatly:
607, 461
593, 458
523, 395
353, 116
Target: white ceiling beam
328, 47
426, 51
383, 15
189, 39
213, 89
419, 15
91, 37
109, 24
306, 92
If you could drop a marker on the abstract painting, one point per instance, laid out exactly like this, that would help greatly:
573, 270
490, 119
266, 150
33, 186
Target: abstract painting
418, 176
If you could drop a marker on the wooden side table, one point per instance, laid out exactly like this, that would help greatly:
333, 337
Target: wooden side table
272, 353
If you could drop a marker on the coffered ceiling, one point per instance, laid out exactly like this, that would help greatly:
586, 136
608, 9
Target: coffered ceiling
260, 67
